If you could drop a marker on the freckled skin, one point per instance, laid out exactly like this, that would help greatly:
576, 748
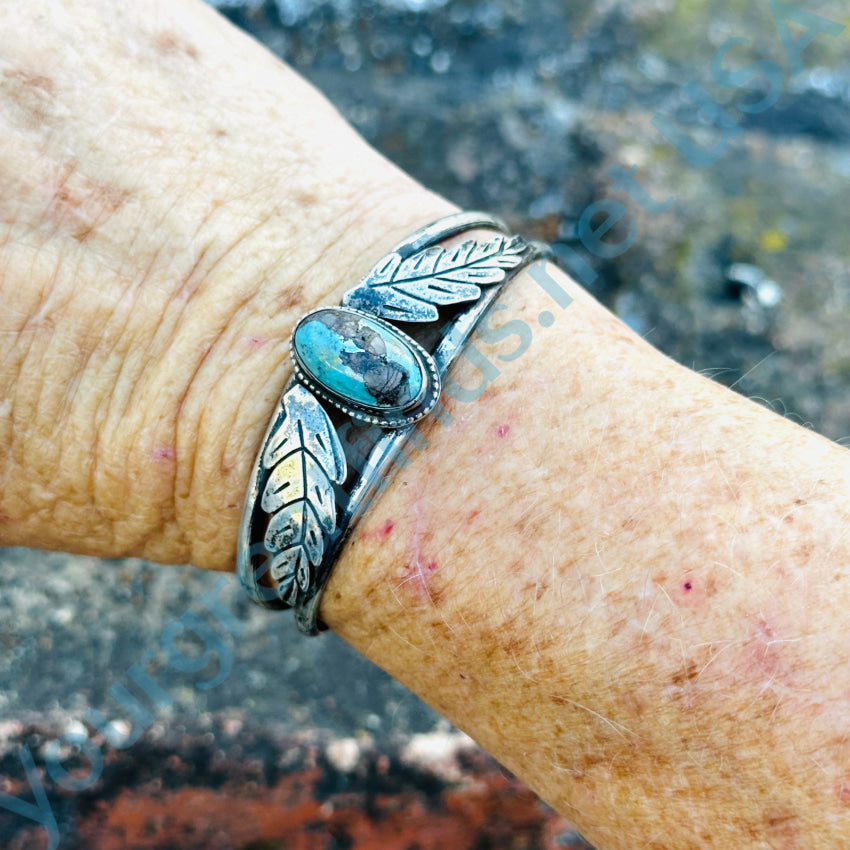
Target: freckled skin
532, 585
664, 672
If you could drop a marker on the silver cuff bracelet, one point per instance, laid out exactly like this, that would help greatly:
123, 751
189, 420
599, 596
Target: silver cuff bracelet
359, 385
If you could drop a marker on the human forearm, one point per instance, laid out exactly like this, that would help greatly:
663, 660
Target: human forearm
629, 584
601, 570
173, 199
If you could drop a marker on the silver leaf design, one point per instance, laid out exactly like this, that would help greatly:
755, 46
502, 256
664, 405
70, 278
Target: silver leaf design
410, 289
306, 458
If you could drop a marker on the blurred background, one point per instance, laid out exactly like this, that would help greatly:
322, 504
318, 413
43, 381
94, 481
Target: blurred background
521, 108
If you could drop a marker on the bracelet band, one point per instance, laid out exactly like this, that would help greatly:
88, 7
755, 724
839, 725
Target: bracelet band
359, 386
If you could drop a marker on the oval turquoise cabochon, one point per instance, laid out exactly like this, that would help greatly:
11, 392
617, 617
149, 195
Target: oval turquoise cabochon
359, 359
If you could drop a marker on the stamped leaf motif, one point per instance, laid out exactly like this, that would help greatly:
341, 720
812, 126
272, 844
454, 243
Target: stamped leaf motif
306, 458
411, 289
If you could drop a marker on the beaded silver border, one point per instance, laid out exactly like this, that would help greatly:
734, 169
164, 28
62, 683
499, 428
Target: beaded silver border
423, 404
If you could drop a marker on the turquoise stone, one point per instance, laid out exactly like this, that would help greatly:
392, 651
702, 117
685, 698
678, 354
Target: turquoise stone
359, 359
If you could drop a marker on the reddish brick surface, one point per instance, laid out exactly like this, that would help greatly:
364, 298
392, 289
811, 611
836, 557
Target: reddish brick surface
260, 789
489, 812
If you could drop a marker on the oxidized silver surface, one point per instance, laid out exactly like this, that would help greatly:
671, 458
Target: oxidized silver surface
304, 459
304, 499
411, 289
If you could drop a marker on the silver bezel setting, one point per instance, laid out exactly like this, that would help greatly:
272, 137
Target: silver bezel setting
412, 412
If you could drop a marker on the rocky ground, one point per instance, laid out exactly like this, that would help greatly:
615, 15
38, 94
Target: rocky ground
520, 108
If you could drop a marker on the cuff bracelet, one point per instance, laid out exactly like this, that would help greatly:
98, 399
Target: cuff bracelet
364, 373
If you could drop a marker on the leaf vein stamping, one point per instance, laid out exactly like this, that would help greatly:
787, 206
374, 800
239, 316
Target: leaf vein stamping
304, 458
411, 289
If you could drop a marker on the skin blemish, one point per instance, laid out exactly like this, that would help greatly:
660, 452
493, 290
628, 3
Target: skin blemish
417, 576
472, 514
782, 829
379, 534
291, 299
843, 792
802, 553
81, 205
164, 454
538, 588
36, 81
503, 430
170, 44
693, 592
685, 674
419, 570
32, 94
768, 655
256, 342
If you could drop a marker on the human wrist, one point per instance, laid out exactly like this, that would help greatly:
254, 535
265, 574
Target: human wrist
144, 344
169, 438
235, 397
